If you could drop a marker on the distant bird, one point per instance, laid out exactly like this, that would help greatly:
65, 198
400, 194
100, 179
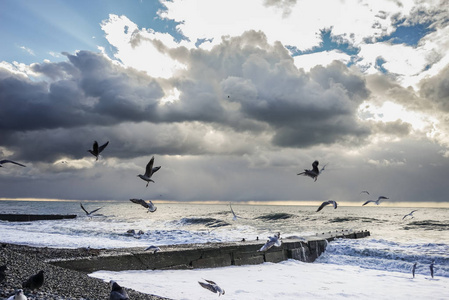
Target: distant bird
9, 161
235, 217
314, 172
34, 282
97, 150
89, 213
375, 201
117, 292
409, 214
153, 248
364, 192
432, 268
149, 205
272, 241
3, 273
18, 295
212, 286
149, 171
414, 269
327, 203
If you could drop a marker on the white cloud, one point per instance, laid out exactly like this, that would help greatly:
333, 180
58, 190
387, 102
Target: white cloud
324, 58
28, 50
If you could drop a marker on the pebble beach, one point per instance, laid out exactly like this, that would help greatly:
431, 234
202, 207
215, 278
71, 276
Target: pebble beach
60, 283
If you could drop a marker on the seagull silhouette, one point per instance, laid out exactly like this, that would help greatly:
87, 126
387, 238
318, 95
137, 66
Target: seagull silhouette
364, 192
327, 203
149, 171
314, 172
97, 150
149, 205
377, 202
91, 212
235, 217
212, 286
409, 214
10, 161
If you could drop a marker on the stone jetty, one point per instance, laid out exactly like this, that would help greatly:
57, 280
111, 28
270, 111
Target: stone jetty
208, 255
28, 217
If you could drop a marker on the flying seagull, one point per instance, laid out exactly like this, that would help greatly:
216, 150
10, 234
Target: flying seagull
414, 269
327, 203
9, 161
409, 214
18, 295
272, 241
364, 192
117, 292
149, 205
212, 286
89, 213
233, 213
314, 172
149, 171
97, 150
34, 281
153, 248
375, 201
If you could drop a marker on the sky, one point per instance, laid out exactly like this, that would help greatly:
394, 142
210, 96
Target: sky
232, 98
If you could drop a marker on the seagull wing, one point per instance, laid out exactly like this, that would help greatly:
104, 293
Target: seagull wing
323, 205
139, 201
82, 207
382, 197
367, 202
149, 168
10, 161
155, 169
322, 169
210, 281
208, 286
102, 147
334, 203
95, 210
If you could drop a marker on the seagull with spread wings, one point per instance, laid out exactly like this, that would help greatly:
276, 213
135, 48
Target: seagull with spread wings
409, 214
314, 172
377, 202
327, 203
149, 204
149, 171
97, 150
89, 214
212, 286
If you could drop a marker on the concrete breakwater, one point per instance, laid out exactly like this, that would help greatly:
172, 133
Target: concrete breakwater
209, 255
28, 217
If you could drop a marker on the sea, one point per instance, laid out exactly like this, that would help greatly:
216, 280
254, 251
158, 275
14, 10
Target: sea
385, 257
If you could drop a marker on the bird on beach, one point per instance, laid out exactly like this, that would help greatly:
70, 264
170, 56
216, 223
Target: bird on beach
97, 150
18, 295
149, 171
414, 269
409, 214
117, 292
375, 201
153, 248
432, 268
4, 161
235, 217
272, 241
3, 273
149, 205
212, 286
314, 172
327, 203
34, 282
91, 212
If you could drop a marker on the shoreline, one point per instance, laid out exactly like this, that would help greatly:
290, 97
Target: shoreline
60, 283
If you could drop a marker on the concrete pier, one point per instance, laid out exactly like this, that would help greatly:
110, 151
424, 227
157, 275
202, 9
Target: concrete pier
209, 255
27, 217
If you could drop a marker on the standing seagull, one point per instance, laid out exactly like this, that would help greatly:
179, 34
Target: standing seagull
375, 201
34, 281
327, 203
117, 292
10, 161
432, 268
97, 150
314, 172
414, 269
18, 295
149, 205
409, 214
272, 241
89, 213
149, 171
212, 286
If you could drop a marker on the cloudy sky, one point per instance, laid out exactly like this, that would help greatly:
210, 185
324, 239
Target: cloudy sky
232, 98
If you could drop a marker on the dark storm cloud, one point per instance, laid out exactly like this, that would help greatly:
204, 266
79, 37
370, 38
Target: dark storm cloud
436, 89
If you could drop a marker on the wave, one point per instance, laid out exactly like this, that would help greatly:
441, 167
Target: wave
275, 216
352, 219
428, 225
209, 222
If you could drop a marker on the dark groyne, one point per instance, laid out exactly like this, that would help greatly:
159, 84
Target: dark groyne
209, 255
27, 217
